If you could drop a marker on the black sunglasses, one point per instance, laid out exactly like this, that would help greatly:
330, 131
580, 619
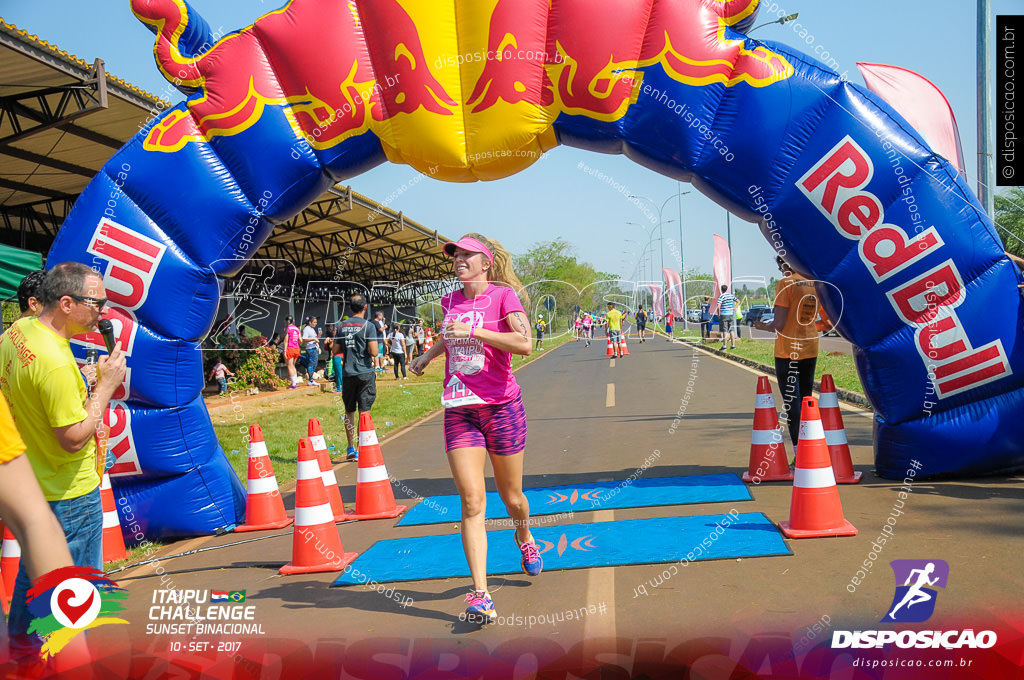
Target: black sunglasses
99, 302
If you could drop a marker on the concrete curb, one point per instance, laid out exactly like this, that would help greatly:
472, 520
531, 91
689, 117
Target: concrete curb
855, 398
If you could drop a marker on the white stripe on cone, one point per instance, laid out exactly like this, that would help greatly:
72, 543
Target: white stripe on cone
105, 482
314, 516
257, 449
378, 473
764, 401
10, 548
765, 437
835, 437
307, 469
811, 429
368, 438
110, 520
318, 442
261, 485
828, 400
329, 478
814, 478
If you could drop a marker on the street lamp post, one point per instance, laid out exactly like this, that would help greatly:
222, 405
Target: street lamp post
650, 240
644, 252
780, 22
661, 221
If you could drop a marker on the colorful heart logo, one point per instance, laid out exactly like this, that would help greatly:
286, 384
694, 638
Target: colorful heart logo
74, 612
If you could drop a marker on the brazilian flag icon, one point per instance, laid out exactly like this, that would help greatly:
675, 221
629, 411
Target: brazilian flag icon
237, 596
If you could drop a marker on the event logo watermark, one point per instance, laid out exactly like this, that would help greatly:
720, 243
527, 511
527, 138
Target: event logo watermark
192, 612
913, 602
69, 601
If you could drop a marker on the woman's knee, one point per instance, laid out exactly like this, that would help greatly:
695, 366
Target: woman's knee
473, 504
514, 500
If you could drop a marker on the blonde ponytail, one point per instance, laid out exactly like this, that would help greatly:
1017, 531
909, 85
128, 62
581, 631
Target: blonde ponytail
501, 270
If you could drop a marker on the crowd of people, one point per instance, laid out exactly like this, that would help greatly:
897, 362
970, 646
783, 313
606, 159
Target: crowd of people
51, 465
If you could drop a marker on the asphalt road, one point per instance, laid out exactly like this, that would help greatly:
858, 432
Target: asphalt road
594, 419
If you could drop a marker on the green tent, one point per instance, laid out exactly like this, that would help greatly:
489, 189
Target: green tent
15, 263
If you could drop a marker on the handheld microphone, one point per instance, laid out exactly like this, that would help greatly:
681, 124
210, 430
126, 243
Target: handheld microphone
107, 331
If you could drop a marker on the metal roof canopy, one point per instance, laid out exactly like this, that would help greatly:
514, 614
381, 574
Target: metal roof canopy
345, 236
62, 118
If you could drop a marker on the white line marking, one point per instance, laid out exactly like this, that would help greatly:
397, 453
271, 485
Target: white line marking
609, 399
601, 588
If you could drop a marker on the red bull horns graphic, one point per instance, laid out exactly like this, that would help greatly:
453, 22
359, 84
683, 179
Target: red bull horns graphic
342, 80
315, 93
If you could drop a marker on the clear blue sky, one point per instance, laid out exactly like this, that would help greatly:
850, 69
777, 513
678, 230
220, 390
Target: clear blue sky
935, 38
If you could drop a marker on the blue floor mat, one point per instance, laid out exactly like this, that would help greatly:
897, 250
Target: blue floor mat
576, 546
596, 496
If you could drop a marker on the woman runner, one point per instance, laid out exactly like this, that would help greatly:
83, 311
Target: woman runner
291, 350
484, 325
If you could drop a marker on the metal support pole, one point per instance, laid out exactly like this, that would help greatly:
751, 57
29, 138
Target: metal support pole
986, 162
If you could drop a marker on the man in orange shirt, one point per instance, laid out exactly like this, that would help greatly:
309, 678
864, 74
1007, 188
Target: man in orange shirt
796, 309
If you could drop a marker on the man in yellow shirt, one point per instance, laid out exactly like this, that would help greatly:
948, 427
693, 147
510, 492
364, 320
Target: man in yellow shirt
56, 420
614, 320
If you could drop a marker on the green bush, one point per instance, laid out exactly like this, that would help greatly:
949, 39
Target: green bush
258, 368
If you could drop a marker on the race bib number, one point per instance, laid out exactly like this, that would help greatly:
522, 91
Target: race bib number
457, 394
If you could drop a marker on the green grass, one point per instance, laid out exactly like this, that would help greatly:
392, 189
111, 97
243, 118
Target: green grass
283, 416
840, 365
137, 554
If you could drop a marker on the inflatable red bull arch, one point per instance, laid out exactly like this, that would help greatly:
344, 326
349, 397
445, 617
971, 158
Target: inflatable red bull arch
317, 92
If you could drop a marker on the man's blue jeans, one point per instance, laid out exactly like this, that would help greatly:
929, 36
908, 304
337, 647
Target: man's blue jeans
82, 520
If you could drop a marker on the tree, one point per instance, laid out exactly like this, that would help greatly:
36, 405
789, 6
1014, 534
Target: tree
1009, 219
550, 270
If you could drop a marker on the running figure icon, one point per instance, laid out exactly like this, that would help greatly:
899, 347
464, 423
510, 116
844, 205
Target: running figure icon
916, 591
916, 595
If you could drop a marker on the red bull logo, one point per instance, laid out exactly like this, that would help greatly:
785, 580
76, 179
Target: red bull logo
837, 186
133, 258
118, 419
340, 69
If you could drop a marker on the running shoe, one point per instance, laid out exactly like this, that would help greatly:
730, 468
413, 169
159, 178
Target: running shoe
481, 606
352, 453
531, 560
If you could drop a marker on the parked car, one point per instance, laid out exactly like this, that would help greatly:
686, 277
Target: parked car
827, 330
693, 315
755, 314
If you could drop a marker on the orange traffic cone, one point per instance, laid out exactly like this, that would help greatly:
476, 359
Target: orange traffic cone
835, 433
815, 509
374, 497
264, 505
10, 561
323, 457
609, 351
316, 544
5, 598
769, 461
113, 539
624, 351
